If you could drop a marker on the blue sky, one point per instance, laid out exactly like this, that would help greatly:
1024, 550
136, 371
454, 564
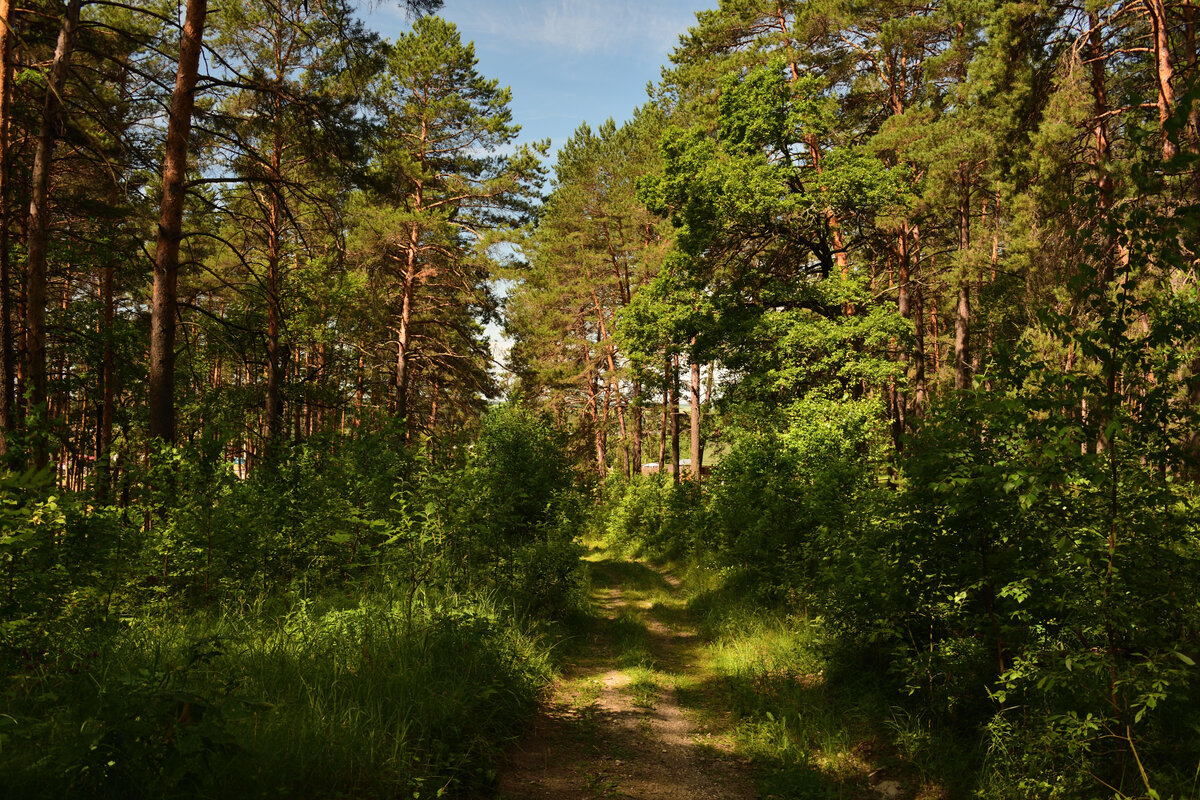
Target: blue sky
567, 61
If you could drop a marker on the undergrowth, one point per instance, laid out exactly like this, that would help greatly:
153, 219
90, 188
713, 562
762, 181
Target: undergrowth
356, 621
355, 697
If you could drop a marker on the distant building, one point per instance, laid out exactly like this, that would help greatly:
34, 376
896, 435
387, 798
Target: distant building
685, 468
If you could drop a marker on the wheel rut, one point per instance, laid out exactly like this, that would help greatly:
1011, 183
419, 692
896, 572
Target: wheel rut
614, 726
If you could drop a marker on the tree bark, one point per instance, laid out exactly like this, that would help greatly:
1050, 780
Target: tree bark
665, 422
962, 316
276, 360
636, 423
39, 213
695, 418
7, 345
403, 335
104, 414
1164, 72
673, 382
170, 226
1101, 150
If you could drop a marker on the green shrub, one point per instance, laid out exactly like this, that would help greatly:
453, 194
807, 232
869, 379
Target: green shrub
372, 699
652, 516
786, 507
518, 513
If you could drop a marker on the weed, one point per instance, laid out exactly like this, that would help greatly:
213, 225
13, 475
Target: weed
644, 687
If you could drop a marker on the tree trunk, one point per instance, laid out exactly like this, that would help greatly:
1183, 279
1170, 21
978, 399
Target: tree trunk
695, 418
104, 414
276, 355
170, 226
962, 317
636, 421
905, 306
403, 335
1101, 150
673, 378
39, 211
1164, 71
1189, 42
664, 422
7, 345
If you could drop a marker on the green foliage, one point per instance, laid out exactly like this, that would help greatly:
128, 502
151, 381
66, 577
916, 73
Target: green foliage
783, 504
652, 517
356, 619
518, 510
343, 697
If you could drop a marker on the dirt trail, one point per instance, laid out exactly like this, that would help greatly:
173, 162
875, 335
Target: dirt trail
614, 726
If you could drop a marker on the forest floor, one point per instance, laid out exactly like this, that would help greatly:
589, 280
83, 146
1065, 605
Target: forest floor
616, 724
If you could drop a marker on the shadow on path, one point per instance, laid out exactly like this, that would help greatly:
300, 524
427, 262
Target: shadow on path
613, 727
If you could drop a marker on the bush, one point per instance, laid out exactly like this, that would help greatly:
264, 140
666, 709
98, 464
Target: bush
784, 508
651, 516
518, 512
370, 699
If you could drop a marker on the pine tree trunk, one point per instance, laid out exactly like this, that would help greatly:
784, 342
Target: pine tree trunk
695, 418
962, 317
1189, 43
664, 423
104, 414
1164, 72
905, 307
276, 356
8, 398
673, 378
170, 226
636, 420
39, 211
403, 334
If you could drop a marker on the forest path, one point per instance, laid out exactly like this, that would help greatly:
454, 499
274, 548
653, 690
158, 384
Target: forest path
614, 726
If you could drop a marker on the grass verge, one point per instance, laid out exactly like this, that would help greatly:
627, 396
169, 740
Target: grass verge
352, 699
814, 717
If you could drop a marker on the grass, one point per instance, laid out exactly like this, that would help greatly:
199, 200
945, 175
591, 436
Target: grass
815, 718
350, 699
644, 688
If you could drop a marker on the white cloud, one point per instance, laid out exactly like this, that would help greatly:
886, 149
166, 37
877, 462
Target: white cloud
576, 26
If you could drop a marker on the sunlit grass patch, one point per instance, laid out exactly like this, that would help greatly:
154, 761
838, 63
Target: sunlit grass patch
645, 687
359, 700
632, 641
805, 736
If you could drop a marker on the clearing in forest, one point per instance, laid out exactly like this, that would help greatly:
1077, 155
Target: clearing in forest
613, 726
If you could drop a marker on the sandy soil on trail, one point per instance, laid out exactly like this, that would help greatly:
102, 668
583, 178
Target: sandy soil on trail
598, 737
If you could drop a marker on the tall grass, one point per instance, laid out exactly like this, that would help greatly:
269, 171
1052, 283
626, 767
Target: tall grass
352, 698
818, 718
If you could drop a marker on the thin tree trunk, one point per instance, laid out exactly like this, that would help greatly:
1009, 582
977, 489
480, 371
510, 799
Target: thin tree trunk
1101, 150
933, 304
276, 356
962, 317
7, 345
906, 307
170, 226
664, 422
104, 414
403, 334
636, 420
433, 414
674, 384
39, 213
695, 418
